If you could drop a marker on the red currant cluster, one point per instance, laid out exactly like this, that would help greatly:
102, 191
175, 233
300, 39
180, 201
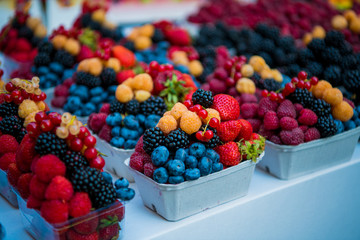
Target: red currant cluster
66, 127
71, 33
21, 16
206, 134
104, 50
155, 68
300, 81
233, 67
17, 90
191, 52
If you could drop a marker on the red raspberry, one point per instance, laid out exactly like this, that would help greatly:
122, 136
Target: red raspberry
23, 45
293, 137
307, 117
139, 146
255, 123
351, 103
105, 133
97, 121
105, 108
8, 144
286, 109
37, 188
58, 102
13, 174
249, 110
137, 162
48, 167
311, 134
6, 160
271, 121
23, 185
55, 211
288, 123
298, 107
217, 86
265, 133
275, 139
303, 128
25, 153
80, 204
61, 91
266, 105
59, 189
248, 98
149, 169
33, 202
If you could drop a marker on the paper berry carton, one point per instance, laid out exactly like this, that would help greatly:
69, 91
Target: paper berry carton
6, 190
288, 162
177, 201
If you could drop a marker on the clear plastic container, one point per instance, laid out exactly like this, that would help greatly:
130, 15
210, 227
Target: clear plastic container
287, 162
177, 201
6, 190
38, 228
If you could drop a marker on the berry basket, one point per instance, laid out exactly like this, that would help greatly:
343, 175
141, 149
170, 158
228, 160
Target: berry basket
287, 162
115, 159
6, 190
39, 228
175, 202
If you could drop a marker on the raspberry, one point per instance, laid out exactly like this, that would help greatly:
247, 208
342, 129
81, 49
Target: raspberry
286, 109
96, 121
249, 110
342, 111
307, 117
190, 122
275, 139
265, 133
212, 113
349, 102
248, 98
58, 102
55, 211
13, 174
26, 153
105, 133
59, 189
288, 123
48, 167
6, 160
143, 81
124, 75
293, 137
139, 145
266, 105
177, 110
23, 185
142, 95
79, 205
149, 169
8, 143
124, 93
105, 108
255, 123
298, 107
61, 91
167, 124
137, 162
37, 188
311, 134
33, 202
271, 121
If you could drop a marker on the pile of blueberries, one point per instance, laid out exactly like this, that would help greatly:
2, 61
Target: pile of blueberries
123, 191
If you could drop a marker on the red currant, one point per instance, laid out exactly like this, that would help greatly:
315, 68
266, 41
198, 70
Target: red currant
237, 76
90, 153
307, 85
46, 125
76, 144
294, 80
84, 132
265, 93
90, 141
228, 65
238, 67
8, 97
314, 80
289, 87
1, 72
19, 100
15, 94
187, 103
197, 107
302, 75
55, 118
199, 136
273, 96
36, 98
32, 129
161, 68
281, 97
154, 65
40, 116
203, 113
209, 134
9, 86
42, 96
169, 67
242, 59
98, 162
301, 84
214, 122
230, 82
25, 94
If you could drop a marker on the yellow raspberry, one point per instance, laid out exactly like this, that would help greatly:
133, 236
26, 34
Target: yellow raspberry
41, 105
72, 46
266, 73
30, 118
180, 58
32, 22
339, 22
143, 81
307, 38
277, 76
167, 124
142, 95
142, 43
40, 31
350, 15
167, 113
245, 85
319, 89
98, 15
195, 68
59, 41
109, 25
147, 30
355, 25
129, 82
26, 107
257, 63
318, 32
84, 66
133, 35
212, 113
123, 93
190, 122
113, 63
247, 70
343, 111
178, 110
95, 66
333, 96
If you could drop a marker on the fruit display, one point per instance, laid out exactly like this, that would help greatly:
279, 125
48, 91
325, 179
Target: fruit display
197, 138
20, 37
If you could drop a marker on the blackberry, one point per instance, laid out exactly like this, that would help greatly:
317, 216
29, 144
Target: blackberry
42, 59
334, 38
74, 160
331, 55
352, 80
116, 106
8, 109
64, 58
270, 84
35, 41
45, 47
21, 134
320, 107
49, 143
95, 25
133, 107
333, 75
317, 46
267, 31
130, 45
304, 56
302, 96
267, 45
25, 32
287, 44
279, 57
153, 137
326, 126
176, 139
315, 68
349, 62
293, 70
345, 48
85, 19
158, 36
214, 141
154, 105
11, 125
108, 77
106, 33
202, 97
105, 196
86, 79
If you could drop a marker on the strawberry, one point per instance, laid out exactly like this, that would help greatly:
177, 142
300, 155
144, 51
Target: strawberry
125, 74
125, 56
246, 130
110, 232
178, 36
189, 82
88, 226
229, 154
8, 144
73, 235
23, 185
6, 160
229, 130
13, 174
25, 153
227, 107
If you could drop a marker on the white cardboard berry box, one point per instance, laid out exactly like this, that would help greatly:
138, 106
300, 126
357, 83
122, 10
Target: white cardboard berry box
6, 190
177, 201
287, 162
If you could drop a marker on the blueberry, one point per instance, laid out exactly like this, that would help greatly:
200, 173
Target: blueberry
181, 154
339, 126
112, 89
115, 131
141, 119
52, 77
358, 109
141, 131
89, 108
78, 113
35, 71
56, 68
355, 115
191, 162
110, 98
192, 174
129, 134
2, 232
163, 44
117, 142
212, 154
176, 167
131, 122
357, 122
96, 91
114, 119
68, 73
216, 167
107, 177
104, 96
349, 125
176, 179
205, 166
125, 194
121, 183
182, 68
151, 121
73, 89
197, 150
96, 100
130, 144
161, 175
42, 70
159, 156
82, 92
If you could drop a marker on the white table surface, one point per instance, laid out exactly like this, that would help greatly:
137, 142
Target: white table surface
322, 205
